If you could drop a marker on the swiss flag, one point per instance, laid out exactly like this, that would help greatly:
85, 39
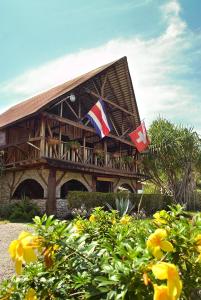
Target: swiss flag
139, 138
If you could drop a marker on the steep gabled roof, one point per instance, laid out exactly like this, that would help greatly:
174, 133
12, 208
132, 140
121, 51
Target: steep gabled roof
120, 77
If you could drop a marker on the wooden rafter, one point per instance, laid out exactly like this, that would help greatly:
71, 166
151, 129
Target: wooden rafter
103, 86
95, 87
110, 102
119, 84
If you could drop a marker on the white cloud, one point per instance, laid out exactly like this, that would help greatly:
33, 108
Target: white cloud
153, 65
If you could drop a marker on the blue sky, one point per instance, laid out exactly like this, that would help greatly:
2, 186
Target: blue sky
44, 43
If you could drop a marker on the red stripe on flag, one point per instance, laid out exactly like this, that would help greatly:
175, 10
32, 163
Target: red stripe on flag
95, 109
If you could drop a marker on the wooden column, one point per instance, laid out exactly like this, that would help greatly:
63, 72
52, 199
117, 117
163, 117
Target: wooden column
51, 200
42, 136
105, 152
93, 184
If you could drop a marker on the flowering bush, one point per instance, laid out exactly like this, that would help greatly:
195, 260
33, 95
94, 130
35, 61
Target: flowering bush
109, 257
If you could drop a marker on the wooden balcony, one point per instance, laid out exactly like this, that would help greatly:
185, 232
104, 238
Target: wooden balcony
27, 153
86, 155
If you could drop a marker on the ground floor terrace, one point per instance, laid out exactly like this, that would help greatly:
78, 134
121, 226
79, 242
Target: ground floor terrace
48, 185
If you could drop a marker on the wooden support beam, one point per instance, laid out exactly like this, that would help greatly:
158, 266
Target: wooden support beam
51, 135
86, 180
69, 106
125, 132
60, 178
61, 110
40, 173
114, 127
95, 87
34, 146
93, 185
49, 130
15, 184
105, 152
79, 109
42, 136
51, 200
81, 126
110, 102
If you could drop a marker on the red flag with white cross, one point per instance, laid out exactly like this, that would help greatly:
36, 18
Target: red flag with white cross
139, 138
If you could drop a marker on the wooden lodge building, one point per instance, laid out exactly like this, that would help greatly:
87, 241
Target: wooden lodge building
49, 147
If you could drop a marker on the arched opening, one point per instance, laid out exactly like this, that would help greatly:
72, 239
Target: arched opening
29, 188
72, 185
125, 188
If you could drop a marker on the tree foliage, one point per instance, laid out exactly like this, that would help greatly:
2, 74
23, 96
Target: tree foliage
174, 159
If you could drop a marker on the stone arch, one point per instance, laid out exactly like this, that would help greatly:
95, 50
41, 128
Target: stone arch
31, 174
72, 185
126, 186
30, 188
76, 176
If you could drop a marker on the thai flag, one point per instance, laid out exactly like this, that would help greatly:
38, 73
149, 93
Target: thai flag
98, 119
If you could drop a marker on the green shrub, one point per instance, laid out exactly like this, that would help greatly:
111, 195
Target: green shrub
5, 210
21, 210
111, 258
149, 202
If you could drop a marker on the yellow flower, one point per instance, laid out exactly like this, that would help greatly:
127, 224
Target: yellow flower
157, 242
198, 239
169, 272
31, 295
161, 292
125, 219
22, 250
113, 221
198, 246
160, 217
78, 227
92, 218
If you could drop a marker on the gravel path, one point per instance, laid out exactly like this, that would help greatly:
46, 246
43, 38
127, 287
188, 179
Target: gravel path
8, 232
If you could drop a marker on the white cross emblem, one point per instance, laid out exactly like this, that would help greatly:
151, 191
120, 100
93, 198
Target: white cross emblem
142, 137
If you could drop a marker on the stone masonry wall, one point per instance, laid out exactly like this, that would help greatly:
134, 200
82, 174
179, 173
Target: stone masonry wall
11, 180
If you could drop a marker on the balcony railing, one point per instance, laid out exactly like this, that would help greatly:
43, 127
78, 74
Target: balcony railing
87, 155
29, 151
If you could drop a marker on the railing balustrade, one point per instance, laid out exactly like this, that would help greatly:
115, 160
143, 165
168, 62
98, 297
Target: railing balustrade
84, 155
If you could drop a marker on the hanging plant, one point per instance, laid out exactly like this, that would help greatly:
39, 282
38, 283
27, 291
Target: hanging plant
98, 152
73, 145
127, 159
53, 141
